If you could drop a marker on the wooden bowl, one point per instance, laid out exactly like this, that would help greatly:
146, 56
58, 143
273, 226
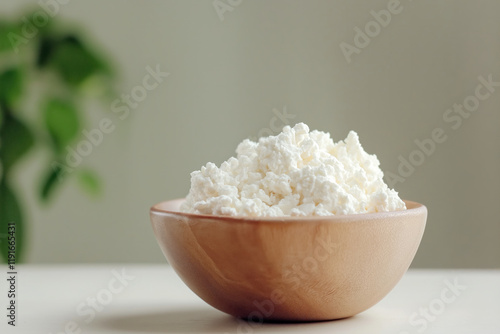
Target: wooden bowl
290, 268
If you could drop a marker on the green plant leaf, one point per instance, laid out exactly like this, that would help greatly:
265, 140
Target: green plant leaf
90, 182
11, 86
16, 140
45, 50
74, 61
10, 212
62, 122
6, 32
52, 179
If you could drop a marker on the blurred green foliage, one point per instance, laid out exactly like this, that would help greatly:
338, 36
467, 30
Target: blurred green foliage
63, 64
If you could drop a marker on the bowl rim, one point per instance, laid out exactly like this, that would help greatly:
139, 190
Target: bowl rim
415, 208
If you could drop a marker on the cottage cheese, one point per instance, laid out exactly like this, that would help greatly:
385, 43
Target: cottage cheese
296, 173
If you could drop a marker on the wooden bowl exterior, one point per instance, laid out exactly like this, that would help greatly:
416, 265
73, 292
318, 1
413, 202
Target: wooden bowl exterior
290, 269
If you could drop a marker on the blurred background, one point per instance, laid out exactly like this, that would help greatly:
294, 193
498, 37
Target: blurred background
107, 106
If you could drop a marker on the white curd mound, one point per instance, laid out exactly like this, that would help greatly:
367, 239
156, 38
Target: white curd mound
296, 173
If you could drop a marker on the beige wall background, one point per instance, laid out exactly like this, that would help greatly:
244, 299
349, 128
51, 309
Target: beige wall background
226, 78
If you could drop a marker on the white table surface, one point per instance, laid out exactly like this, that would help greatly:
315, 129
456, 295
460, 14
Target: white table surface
156, 301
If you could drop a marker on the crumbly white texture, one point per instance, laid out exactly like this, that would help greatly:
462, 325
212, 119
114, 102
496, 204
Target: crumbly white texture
296, 173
